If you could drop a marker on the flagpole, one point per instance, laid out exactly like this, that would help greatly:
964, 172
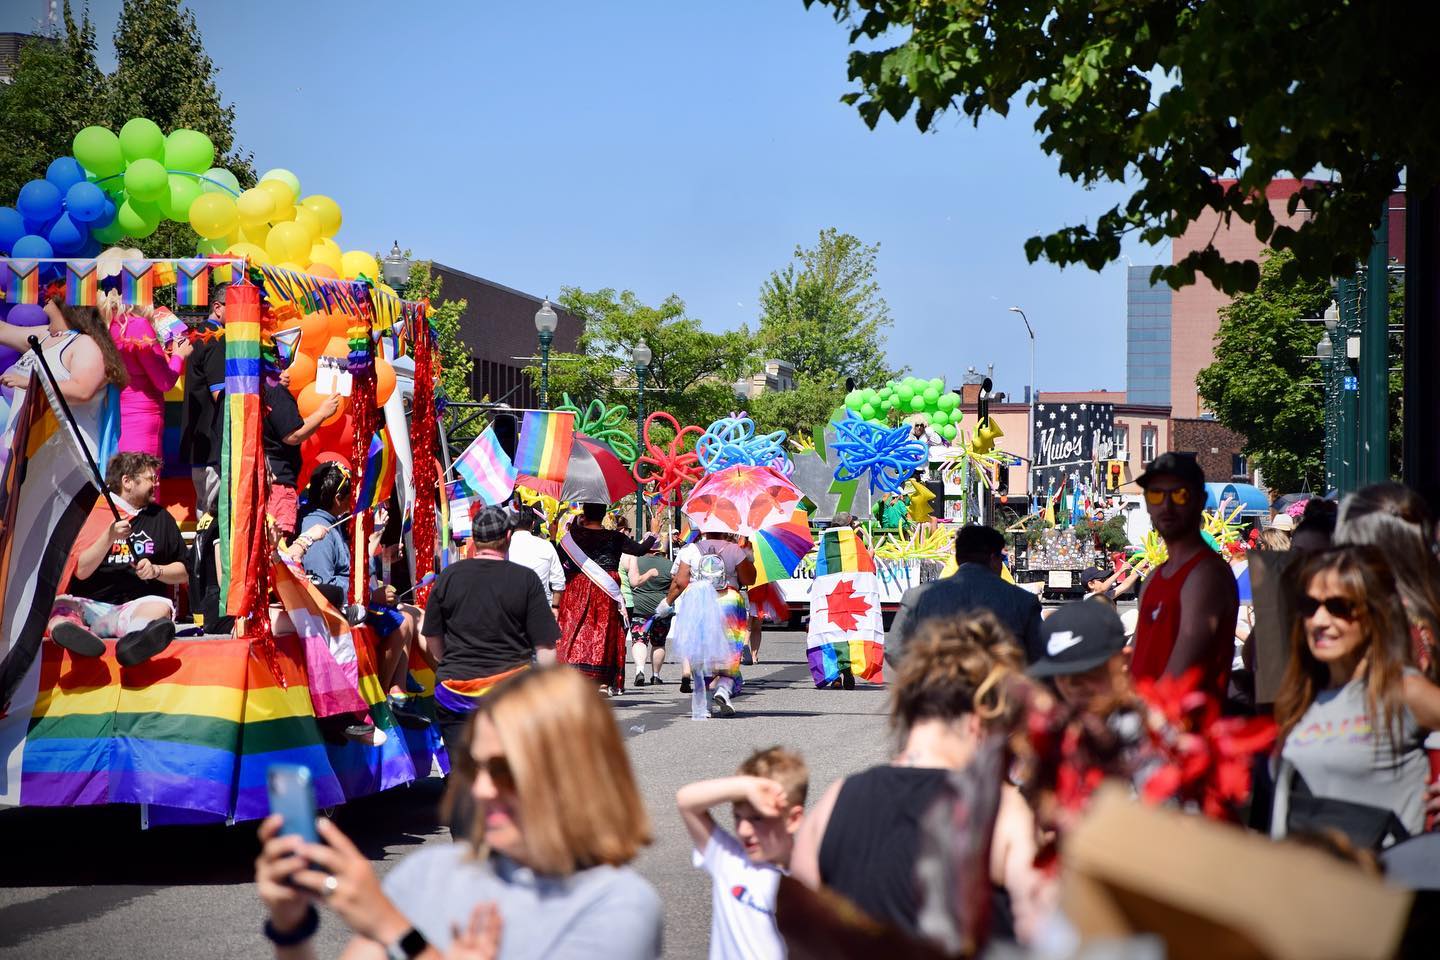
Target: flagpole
79, 437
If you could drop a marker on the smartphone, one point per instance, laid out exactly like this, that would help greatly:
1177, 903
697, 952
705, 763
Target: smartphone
292, 795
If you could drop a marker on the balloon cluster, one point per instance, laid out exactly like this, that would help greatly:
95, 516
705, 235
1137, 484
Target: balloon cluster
911, 395
20, 315
731, 441
671, 468
604, 423
888, 455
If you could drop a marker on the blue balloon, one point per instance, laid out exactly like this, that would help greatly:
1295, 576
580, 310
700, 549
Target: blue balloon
85, 202
67, 236
91, 249
106, 218
39, 201
64, 173
32, 247
12, 228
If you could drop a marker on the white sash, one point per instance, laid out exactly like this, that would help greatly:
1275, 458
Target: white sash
596, 573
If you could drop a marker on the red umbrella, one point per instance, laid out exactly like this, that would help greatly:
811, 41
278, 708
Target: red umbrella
742, 500
594, 474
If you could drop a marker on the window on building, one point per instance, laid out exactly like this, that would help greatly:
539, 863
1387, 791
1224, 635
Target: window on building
1149, 440
1239, 466
1122, 443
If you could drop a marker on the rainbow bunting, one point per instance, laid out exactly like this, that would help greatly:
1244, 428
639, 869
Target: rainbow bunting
846, 630
192, 283
378, 479
82, 283
543, 450
137, 283
24, 282
486, 470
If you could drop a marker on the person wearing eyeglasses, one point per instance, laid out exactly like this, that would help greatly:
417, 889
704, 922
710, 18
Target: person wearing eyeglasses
1189, 603
1352, 712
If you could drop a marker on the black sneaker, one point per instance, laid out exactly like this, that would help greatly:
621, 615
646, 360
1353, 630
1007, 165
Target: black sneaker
746, 658
685, 685
639, 679
137, 646
77, 639
849, 680
655, 680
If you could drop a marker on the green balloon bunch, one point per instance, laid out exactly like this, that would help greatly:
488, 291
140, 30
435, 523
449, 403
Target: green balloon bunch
909, 396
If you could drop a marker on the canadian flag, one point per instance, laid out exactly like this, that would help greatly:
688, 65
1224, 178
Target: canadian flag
846, 632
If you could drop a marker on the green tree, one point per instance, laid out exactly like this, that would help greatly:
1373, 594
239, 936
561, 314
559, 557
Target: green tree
797, 411
828, 314
1166, 96
691, 370
57, 90
456, 361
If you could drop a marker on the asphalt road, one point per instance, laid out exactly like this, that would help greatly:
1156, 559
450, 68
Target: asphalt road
83, 883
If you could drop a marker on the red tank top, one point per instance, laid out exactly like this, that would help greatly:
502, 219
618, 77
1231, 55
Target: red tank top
1159, 626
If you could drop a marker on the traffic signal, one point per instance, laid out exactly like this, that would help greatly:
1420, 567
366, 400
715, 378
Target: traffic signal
1114, 474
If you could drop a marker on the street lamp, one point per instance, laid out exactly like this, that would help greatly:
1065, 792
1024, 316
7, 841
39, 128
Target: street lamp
395, 268
545, 323
741, 389
1030, 440
642, 357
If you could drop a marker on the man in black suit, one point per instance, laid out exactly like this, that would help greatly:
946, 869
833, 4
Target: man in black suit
976, 585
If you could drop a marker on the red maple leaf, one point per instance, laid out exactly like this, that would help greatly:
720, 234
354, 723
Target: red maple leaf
845, 606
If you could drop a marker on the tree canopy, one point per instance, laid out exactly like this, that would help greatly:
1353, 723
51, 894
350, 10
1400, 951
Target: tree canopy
1170, 96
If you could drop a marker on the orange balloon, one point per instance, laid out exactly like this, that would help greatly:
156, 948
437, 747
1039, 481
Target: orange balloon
322, 270
384, 381
337, 347
339, 326
302, 372
314, 333
307, 400
338, 414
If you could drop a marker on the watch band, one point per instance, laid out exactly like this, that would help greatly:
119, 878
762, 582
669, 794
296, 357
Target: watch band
408, 947
300, 934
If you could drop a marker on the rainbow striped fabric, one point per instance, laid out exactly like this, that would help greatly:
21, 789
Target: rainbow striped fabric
846, 630
82, 283
486, 470
543, 450
378, 480
242, 486
24, 282
137, 282
192, 283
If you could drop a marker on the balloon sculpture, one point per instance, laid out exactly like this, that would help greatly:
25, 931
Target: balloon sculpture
669, 469
888, 455
124, 186
731, 441
908, 396
604, 423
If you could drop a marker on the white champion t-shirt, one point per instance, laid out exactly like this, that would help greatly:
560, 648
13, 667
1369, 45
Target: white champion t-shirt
742, 925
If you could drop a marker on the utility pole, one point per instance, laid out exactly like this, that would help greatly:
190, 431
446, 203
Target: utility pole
1375, 359
1347, 414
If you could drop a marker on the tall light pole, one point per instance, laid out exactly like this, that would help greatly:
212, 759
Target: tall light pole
545, 323
1030, 439
1375, 359
642, 357
395, 268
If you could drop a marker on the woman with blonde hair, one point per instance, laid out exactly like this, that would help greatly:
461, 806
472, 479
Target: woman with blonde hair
555, 818
153, 363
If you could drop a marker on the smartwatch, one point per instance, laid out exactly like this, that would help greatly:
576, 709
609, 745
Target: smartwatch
410, 945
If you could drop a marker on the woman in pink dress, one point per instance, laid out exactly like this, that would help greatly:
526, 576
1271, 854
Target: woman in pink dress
153, 364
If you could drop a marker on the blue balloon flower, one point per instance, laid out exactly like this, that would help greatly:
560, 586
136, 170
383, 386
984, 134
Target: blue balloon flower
889, 456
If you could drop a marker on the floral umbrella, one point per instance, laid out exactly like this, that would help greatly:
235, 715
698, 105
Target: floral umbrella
742, 500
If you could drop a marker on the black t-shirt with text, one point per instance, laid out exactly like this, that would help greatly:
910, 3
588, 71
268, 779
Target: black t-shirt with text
202, 422
154, 536
282, 418
492, 615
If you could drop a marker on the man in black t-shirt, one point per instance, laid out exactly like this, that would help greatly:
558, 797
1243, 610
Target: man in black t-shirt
116, 590
284, 431
202, 422
487, 618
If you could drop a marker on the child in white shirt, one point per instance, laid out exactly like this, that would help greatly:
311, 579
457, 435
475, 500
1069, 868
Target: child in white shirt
768, 801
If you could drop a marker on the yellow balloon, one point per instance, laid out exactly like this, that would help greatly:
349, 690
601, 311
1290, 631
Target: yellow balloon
255, 254
328, 212
355, 262
288, 242
256, 206
292, 265
213, 215
329, 244
306, 218
255, 233
283, 197
320, 253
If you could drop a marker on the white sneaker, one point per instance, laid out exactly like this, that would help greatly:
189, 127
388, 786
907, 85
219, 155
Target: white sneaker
720, 705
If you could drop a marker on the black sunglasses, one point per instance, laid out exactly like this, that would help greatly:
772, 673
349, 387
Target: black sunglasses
499, 770
1341, 608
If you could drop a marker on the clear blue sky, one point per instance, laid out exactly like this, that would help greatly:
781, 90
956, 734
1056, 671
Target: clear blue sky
660, 146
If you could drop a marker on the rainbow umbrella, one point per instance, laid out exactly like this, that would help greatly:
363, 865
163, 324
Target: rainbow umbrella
594, 474
742, 500
779, 549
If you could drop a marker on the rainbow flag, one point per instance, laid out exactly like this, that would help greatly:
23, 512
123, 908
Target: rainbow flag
192, 283
378, 479
24, 282
486, 470
242, 463
846, 630
137, 283
82, 283
543, 450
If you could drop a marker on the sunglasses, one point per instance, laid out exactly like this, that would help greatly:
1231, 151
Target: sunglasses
1179, 497
1342, 608
499, 770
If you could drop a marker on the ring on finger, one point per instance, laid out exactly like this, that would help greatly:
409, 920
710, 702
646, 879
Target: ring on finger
331, 884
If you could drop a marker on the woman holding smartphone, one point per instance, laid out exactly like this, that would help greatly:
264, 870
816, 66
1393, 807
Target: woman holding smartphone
555, 818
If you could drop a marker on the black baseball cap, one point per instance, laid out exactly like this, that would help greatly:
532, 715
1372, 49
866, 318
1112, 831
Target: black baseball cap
1079, 636
1183, 466
1090, 574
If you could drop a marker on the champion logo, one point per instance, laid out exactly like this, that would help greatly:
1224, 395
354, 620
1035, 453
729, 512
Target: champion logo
1062, 641
743, 895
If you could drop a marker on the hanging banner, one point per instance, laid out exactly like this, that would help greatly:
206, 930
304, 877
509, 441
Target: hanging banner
82, 283
24, 282
192, 283
137, 283
1070, 438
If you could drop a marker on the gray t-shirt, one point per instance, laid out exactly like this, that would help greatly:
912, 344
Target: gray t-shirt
1342, 758
599, 912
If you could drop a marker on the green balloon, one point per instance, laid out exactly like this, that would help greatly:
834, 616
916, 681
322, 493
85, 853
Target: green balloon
904, 393
853, 401
917, 404
145, 179
868, 411
141, 139
98, 151
931, 395
948, 432
176, 204
947, 401
929, 418
285, 177
939, 418
137, 219
111, 233
887, 403
938, 383
189, 150
216, 176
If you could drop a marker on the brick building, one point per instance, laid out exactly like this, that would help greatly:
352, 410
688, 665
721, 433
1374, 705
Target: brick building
1216, 447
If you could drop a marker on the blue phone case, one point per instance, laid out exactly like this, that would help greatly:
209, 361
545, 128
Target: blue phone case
292, 795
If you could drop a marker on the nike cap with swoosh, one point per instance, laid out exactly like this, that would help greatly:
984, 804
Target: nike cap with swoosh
1078, 637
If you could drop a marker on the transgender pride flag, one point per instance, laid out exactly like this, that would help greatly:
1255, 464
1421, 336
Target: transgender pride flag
486, 470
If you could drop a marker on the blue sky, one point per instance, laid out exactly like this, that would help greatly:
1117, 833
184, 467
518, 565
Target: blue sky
660, 146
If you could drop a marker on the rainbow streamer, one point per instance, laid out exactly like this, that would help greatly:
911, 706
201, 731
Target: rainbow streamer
192, 283
543, 450
242, 493
24, 282
378, 479
82, 284
137, 283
